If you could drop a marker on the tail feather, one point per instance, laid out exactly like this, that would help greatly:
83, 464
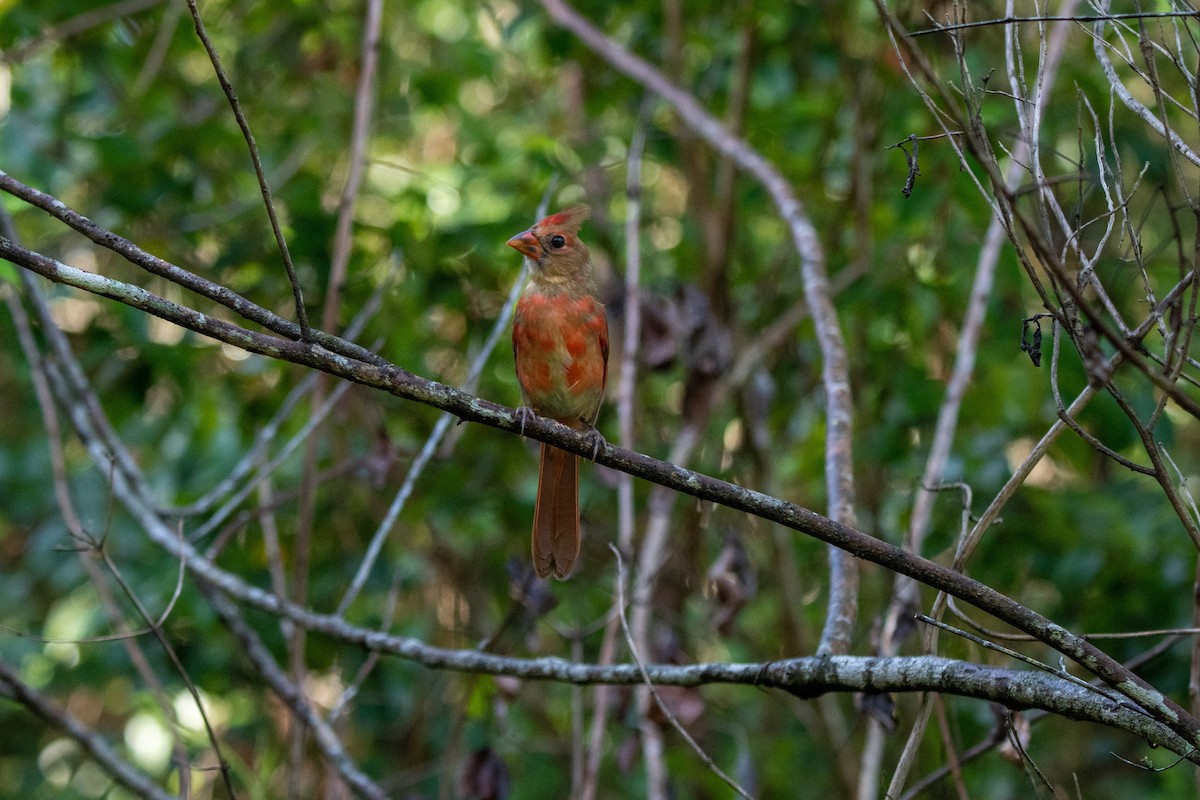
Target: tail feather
556, 515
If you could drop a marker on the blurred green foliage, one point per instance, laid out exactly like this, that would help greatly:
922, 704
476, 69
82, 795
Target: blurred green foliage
479, 109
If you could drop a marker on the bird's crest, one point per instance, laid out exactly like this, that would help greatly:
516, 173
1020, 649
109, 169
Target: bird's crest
569, 220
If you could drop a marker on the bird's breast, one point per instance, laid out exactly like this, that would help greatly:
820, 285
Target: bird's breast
560, 344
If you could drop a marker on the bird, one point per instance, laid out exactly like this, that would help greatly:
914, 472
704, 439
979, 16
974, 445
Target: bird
560, 347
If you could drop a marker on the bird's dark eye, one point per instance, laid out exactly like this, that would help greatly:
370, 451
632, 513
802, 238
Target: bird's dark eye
557, 241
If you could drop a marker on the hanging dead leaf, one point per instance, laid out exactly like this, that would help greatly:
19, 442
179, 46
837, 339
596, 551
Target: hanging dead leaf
685, 703
730, 583
880, 706
484, 777
628, 752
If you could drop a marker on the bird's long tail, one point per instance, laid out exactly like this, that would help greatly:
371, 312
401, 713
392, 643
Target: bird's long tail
556, 515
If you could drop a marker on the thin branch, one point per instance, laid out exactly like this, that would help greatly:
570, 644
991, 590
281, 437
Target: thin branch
1097, 445
631, 331
244, 124
952, 757
364, 105
651, 554
158, 50
649, 684
342, 246
45, 401
255, 454
41, 379
991, 633
625, 422
1131, 102
93, 743
188, 280
1033, 662
77, 25
292, 696
342, 705
173, 657
1014, 20
1014, 738
262, 470
44, 374
1037, 247
967, 546
997, 735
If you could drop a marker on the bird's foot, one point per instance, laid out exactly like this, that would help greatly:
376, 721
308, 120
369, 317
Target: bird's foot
523, 415
595, 439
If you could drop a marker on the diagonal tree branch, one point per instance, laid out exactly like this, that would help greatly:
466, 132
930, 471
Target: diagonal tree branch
77, 25
93, 743
174, 273
287, 691
404, 384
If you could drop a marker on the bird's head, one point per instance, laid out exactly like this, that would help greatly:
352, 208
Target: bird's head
552, 245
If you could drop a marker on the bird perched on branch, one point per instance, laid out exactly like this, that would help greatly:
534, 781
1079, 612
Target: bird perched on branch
560, 344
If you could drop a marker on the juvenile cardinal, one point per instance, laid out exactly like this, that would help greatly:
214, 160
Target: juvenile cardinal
560, 343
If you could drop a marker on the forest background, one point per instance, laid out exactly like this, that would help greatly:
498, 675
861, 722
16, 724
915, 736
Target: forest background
921, 275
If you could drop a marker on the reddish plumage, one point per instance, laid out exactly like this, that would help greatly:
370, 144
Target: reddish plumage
560, 345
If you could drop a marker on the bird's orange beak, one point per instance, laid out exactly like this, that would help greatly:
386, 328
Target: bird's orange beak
526, 244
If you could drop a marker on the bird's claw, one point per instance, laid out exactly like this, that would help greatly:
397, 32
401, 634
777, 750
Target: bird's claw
596, 440
523, 415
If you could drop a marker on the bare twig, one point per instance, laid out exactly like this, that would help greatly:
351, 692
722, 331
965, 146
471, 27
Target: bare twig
223, 763
319, 415
1077, 309
1040, 19
264, 663
126, 635
1033, 662
948, 744
342, 705
649, 684
364, 104
1097, 445
77, 25
992, 633
1014, 738
650, 556
188, 280
244, 124
158, 50
967, 546
625, 423
905, 592
254, 457
991, 741
93, 743
43, 375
